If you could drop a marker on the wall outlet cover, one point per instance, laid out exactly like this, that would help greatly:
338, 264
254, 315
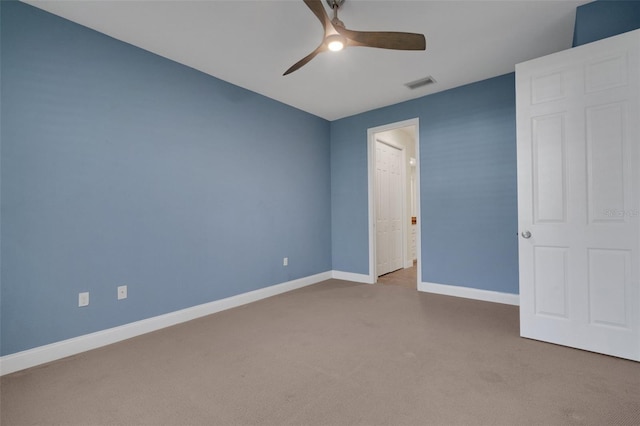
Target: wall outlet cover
122, 292
83, 299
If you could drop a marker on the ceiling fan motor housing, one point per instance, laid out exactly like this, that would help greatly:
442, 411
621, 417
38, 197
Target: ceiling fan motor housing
335, 3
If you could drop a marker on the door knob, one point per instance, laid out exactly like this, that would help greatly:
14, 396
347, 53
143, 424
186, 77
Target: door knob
526, 234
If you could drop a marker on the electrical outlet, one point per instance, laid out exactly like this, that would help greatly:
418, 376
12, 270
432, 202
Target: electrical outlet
285, 261
83, 299
122, 292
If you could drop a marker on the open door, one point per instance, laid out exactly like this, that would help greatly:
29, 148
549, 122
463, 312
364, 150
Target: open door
390, 207
579, 197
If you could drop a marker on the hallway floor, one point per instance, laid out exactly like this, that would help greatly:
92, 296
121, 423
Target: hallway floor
406, 278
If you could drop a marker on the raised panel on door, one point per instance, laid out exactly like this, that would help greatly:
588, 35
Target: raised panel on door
549, 169
606, 72
547, 87
606, 165
550, 281
609, 282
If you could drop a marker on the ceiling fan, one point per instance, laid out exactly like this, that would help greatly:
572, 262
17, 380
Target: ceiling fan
337, 36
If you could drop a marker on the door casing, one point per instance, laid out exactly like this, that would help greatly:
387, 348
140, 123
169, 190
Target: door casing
371, 161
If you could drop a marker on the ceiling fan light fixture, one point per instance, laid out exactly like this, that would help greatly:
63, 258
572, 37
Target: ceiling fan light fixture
335, 42
337, 36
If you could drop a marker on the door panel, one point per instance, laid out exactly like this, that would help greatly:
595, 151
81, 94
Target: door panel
606, 166
547, 87
549, 168
606, 73
551, 281
579, 197
609, 280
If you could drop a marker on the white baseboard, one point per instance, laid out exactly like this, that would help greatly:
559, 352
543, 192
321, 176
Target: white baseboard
470, 293
47, 353
350, 276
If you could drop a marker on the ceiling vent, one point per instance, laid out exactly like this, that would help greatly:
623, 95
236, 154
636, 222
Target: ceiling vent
419, 83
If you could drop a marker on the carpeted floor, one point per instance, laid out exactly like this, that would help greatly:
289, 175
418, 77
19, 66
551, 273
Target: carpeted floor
335, 353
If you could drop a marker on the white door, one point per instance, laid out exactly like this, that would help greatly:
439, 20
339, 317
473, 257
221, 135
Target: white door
578, 197
388, 208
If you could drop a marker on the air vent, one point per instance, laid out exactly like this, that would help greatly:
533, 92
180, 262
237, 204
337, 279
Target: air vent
419, 83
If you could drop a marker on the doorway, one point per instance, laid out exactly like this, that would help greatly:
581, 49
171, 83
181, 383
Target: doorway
394, 200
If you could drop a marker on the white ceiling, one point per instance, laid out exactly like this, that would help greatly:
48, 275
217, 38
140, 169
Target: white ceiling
251, 43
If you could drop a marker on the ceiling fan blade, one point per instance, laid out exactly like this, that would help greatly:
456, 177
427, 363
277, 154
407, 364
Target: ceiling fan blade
385, 39
318, 9
302, 62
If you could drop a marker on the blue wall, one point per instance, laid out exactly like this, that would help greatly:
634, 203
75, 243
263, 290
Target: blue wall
602, 19
468, 185
122, 167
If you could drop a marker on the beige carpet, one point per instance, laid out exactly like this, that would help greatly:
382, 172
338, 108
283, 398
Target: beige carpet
335, 353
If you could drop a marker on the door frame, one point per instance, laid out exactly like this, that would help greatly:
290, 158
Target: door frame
371, 163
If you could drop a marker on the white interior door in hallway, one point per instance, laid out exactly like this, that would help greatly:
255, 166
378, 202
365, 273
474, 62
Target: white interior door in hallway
389, 207
579, 196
